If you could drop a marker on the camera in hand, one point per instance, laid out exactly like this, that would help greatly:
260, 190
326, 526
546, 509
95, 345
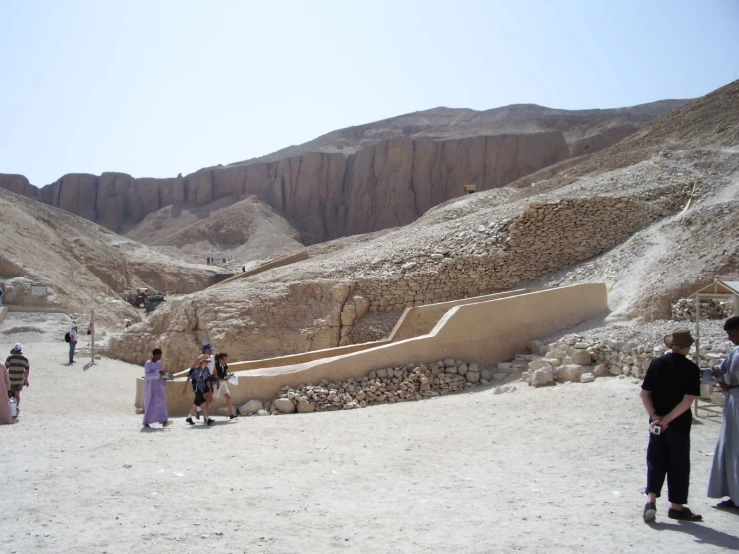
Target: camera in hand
655, 429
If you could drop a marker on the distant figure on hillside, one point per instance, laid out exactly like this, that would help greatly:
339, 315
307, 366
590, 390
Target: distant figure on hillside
202, 382
1, 296
671, 384
5, 417
155, 402
18, 370
725, 472
243, 269
72, 342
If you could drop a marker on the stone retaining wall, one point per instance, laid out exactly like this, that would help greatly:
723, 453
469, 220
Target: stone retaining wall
517, 249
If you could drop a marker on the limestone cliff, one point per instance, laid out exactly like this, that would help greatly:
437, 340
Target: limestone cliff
325, 195
364, 178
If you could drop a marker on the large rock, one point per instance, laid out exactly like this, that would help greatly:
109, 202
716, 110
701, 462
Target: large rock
251, 407
285, 405
581, 357
570, 372
305, 407
541, 377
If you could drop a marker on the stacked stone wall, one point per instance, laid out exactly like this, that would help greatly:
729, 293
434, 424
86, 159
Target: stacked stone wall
545, 238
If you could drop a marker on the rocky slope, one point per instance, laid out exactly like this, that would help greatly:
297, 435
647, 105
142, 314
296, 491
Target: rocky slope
588, 222
83, 265
364, 178
247, 230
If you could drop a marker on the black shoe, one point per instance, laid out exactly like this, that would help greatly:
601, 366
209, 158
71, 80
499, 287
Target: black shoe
190, 421
197, 414
147, 426
685, 514
650, 512
232, 416
210, 421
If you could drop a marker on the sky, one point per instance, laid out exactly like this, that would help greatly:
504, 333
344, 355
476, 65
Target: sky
157, 88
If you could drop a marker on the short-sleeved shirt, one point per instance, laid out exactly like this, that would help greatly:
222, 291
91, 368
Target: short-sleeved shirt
17, 365
669, 378
73, 336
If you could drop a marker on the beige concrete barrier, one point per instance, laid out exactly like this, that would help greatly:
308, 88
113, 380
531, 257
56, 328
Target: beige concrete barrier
421, 320
483, 332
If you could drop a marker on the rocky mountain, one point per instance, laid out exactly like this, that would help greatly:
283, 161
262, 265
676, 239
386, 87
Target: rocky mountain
365, 178
246, 229
83, 264
653, 216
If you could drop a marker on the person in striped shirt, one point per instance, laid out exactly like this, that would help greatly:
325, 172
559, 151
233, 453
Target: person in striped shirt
18, 369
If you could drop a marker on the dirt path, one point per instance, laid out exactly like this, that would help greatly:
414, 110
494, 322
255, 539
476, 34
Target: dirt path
550, 470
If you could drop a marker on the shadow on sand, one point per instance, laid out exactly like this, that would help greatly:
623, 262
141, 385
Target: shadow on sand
702, 533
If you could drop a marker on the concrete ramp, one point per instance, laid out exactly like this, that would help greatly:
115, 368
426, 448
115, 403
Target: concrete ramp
485, 332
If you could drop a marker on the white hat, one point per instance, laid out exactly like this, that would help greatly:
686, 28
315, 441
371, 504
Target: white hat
18, 346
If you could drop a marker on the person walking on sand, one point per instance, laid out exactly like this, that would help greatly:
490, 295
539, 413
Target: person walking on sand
201, 379
221, 368
724, 479
206, 350
671, 384
18, 370
155, 402
5, 417
72, 342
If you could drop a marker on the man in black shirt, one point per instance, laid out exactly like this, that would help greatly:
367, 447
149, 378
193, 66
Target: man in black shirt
671, 384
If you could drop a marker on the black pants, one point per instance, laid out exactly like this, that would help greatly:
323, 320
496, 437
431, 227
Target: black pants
668, 455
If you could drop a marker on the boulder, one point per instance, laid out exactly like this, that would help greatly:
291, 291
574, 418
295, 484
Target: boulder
570, 373
485, 373
284, 405
541, 377
600, 370
251, 407
587, 378
305, 407
581, 357
472, 377
462, 369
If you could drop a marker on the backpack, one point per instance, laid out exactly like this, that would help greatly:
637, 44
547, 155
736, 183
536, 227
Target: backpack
67, 338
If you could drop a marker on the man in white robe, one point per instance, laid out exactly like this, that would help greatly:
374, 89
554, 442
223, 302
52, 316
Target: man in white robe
725, 472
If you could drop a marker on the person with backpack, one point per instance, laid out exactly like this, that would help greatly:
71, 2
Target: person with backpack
71, 339
206, 350
202, 381
221, 368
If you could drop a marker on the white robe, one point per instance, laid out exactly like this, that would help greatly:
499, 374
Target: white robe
725, 472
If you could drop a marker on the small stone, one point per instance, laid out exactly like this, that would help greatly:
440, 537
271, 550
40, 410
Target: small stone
262, 413
306, 407
587, 378
472, 377
541, 377
462, 369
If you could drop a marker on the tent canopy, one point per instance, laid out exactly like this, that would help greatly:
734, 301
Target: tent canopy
722, 288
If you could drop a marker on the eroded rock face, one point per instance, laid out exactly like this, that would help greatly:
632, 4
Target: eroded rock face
325, 195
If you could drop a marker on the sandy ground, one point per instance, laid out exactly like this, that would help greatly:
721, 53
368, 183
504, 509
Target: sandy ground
515, 469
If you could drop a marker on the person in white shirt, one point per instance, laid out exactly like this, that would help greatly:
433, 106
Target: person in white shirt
72, 342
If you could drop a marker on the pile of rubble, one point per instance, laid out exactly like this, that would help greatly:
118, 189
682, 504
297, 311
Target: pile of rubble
684, 309
576, 359
390, 385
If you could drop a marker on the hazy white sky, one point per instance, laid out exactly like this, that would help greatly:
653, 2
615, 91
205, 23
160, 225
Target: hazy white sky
156, 88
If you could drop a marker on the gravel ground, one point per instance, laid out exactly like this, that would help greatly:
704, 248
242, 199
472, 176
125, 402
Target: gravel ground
509, 469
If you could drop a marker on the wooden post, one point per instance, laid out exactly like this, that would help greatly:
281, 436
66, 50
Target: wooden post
92, 337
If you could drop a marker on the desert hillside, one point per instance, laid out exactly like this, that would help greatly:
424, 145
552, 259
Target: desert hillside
365, 178
654, 216
246, 230
83, 264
